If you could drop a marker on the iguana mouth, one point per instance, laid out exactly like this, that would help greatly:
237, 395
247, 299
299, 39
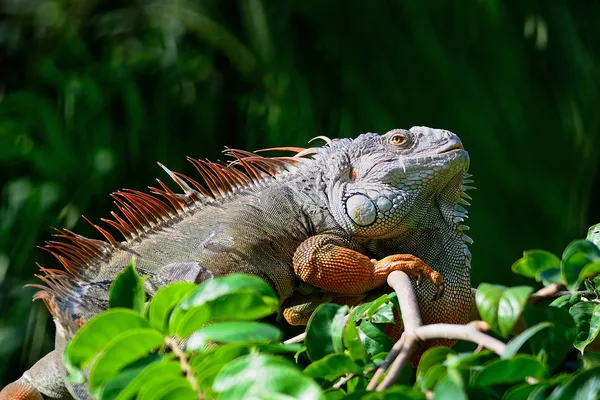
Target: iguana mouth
455, 146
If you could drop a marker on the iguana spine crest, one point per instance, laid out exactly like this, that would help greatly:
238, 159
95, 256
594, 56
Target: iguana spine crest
143, 213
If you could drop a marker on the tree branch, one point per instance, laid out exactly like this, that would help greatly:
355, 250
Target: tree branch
415, 332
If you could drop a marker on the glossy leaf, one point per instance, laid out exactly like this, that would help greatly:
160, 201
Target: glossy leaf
217, 287
394, 393
576, 256
586, 315
123, 350
566, 301
594, 235
523, 391
164, 301
515, 344
353, 343
176, 389
582, 386
324, 331
590, 270
208, 364
127, 290
535, 261
449, 389
432, 357
469, 360
234, 297
248, 332
266, 376
157, 373
556, 342
116, 385
98, 332
508, 371
373, 339
500, 306
332, 366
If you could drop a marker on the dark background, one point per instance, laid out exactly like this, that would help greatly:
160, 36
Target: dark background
92, 93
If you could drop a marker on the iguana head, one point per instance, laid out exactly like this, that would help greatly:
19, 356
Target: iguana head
379, 186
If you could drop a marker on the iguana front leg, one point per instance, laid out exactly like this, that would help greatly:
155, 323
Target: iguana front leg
328, 262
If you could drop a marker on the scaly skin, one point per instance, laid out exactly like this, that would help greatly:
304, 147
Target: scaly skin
328, 227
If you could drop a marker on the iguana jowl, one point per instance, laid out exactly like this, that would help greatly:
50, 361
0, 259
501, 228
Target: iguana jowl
336, 218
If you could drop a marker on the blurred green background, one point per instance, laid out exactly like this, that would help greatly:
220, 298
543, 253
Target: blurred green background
93, 93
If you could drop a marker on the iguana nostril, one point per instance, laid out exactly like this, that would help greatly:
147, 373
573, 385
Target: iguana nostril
361, 210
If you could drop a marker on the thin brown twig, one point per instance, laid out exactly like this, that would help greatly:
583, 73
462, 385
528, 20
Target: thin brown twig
296, 339
346, 378
185, 366
545, 292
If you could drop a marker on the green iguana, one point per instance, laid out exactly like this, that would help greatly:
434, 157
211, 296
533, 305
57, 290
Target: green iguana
329, 220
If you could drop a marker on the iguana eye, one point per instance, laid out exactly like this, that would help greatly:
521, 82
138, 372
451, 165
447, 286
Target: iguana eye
398, 139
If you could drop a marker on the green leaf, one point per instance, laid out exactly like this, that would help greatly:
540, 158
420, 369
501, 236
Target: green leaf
323, 334
98, 332
115, 385
337, 329
208, 364
576, 256
178, 388
582, 386
500, 306
468, 360
332, 366
508, 371
279, 348
394, 393
164, 301
551, 275
590, 360
535, 261
589, 271
384, 315
157, 373
432, 357
594, 235
264, 376
353, 343
515, 344
247, 332
373, 339
214, 288
566, 301
127, 290
123, 350
233, 297
449, 389
523, 391
586, 315
556, 342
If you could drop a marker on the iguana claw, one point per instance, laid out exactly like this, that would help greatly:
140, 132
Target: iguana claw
419, 279
439, 293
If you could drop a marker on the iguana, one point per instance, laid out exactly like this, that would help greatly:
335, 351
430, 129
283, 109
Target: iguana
328, 220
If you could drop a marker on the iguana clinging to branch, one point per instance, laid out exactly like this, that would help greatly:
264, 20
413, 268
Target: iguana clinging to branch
336, 218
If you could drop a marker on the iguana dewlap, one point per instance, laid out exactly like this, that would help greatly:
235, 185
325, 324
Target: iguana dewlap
336, 218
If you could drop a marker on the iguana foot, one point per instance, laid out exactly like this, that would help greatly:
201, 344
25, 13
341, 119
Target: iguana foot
412, 266
20, 390
299, 314
327, 262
